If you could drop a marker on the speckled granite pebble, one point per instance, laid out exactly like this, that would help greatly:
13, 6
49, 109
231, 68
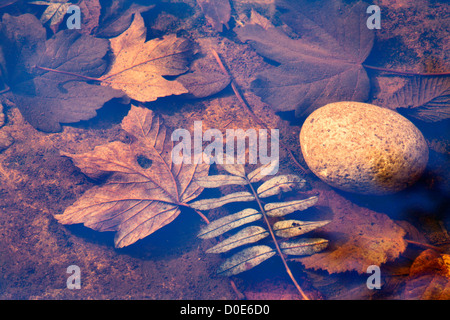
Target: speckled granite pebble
362, 148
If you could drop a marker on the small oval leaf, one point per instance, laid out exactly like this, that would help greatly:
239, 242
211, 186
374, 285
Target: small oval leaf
219, 181
227, 223
279, 209
282, 183
245, 260
208, 204
247, 235
302, 247
293, 228
230, 165
263, 171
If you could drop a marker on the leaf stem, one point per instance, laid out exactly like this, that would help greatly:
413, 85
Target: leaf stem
424, 245
198, 212
5, 91
249, 109
67, 73
266, 220
406, 73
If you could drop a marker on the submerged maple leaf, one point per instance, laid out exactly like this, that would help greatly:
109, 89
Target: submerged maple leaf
424, 98
359, 236
139, 66
145, 189
47, 78
323, 65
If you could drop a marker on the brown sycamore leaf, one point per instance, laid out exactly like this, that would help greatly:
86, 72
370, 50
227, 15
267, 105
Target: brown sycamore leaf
139, 66
424, 98
117, 16
145, 188
360, 237
428, 277
323, 63
90, 9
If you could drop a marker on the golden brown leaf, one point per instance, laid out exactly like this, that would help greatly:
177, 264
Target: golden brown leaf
429, 277
90, 9
145, 188
359, 237
139, 66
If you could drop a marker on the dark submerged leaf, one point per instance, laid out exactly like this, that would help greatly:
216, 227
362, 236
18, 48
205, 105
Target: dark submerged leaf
118, 17
217, 12
323, 65
48, 98
424, 98
202, 85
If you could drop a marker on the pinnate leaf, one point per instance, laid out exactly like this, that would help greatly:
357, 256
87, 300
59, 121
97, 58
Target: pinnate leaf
231, 166
245, 236
229, 222
54, 12
245, 260
280, 209
208, 204
303, 247
220, 180
293, 228
262, 171
281, 183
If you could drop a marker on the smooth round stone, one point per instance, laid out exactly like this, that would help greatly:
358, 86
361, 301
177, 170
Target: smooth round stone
363, 148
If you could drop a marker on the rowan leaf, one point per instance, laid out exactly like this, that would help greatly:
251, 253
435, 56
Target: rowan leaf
281, 183
245, 260
229, 222
6, 3
304, 246
212, 203
245, 236
293, 228
220, 180
263, 171
139, 67
231, 166
280, 209
137, 199
55, 11
322, 64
